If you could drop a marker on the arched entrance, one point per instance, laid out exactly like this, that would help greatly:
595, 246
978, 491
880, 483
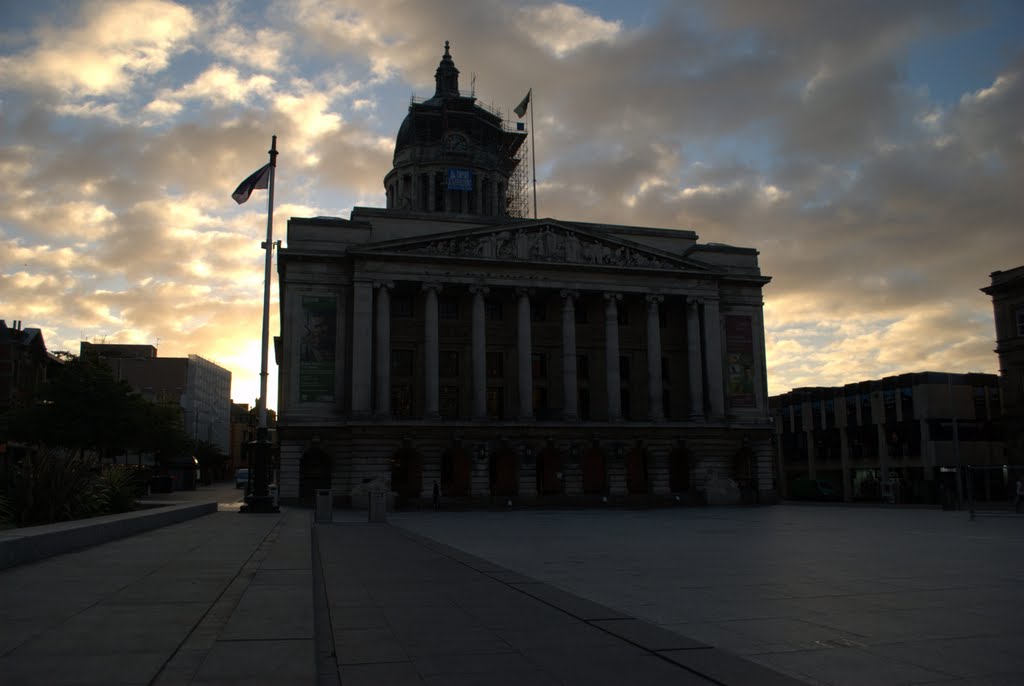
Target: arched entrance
503, 472
314, 473
406, 473
595, 476
455, 472
549, 464
636, 470
679, 470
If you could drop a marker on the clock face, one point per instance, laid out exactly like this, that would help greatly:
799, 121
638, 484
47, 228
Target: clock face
455, 142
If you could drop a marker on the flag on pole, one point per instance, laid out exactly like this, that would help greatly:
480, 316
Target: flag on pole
258, 179
520, 109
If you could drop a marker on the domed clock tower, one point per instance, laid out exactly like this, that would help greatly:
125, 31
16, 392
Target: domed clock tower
452, 155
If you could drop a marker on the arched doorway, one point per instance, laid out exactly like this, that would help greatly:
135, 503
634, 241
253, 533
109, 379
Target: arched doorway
503, 472
679, 470
406, 473
595, 476
314, 473
455, 470
636, 470
549, 464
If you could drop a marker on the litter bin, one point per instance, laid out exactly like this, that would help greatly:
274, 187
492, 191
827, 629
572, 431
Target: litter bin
378, 506
324, 506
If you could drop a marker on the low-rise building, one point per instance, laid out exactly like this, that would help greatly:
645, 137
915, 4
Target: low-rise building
891, 438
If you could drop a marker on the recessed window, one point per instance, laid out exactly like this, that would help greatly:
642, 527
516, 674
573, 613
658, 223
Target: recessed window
401, 362
449, 363
580, 312
538, 312
449, 402
401, 306
540, 366
401, 400
495, 402
540, 400
624, 367
1020, 321
623, 313
495, 364
493, 311
447, 308
582, 367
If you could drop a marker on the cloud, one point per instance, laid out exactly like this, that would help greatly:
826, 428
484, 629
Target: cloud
108, 47
787, 127
563, 28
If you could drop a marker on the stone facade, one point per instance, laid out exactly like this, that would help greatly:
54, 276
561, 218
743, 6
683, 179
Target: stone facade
536, 360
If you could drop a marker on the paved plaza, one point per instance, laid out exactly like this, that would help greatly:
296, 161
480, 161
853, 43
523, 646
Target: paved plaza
770, 596
829, 594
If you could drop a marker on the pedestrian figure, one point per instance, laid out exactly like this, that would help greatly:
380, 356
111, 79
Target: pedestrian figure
1020, 496
437, 496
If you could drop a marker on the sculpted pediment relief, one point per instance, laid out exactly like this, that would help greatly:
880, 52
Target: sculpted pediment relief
543, 243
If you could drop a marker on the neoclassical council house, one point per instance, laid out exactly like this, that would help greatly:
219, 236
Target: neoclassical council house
448, 338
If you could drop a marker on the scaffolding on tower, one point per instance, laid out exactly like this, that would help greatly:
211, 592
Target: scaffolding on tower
517, 196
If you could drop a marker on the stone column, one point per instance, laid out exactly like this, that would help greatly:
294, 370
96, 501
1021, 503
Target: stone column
693, 360
479, 352
654, 388
362, 347
611, 356
383, 352
570, 410
524, 350
713, 361
478, 193
431, 352
432, 200
494, 198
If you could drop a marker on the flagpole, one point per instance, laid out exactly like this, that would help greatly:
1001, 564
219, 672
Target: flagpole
259, 500
533, 152
269, 247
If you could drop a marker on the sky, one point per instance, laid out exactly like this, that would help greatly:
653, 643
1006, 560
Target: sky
872, 151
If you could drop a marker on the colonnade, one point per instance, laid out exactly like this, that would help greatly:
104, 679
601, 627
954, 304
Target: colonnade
703, 355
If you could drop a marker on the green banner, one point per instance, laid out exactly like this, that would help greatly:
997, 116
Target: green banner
316, 348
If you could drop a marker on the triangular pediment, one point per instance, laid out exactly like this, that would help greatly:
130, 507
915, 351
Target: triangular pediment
540, 242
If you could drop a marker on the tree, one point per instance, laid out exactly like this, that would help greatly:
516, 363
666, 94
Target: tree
85, 409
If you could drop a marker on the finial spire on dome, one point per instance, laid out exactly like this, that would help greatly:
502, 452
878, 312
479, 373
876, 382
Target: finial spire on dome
446, 76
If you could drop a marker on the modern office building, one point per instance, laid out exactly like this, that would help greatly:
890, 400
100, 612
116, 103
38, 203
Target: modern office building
450, 338
891, 438
201, 388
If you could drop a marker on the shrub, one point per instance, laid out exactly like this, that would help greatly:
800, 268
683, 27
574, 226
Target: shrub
120, 483
54, 486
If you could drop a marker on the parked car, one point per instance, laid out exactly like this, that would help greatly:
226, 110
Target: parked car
241, 478
814, 489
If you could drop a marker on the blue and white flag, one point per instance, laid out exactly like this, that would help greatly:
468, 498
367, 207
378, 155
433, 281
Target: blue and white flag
258, 179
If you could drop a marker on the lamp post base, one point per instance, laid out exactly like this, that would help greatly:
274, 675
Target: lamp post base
255, 504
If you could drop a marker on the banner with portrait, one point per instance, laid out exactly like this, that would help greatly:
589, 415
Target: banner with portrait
739, 361
316, 348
